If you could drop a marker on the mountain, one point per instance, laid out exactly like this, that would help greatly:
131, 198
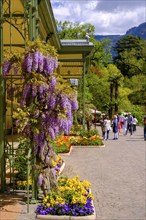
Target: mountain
139, 31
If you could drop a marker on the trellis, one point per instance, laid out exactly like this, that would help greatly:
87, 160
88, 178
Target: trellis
25, 24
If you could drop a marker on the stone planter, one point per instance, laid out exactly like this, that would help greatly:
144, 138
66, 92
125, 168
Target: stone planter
81, 146
88, 146
61, 168
66, 217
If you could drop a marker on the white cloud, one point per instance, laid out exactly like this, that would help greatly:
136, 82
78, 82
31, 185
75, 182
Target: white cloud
108, 16
58, 12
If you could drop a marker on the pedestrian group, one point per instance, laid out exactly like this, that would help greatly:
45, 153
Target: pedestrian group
127, 122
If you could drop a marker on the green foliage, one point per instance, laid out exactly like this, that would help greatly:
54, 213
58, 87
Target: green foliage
63, 148
90, 133
130, 58
101, 54
20, 163
137, 85
71, 30
138, 112
128, 73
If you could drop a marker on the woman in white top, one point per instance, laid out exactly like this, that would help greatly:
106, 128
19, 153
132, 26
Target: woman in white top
107, 126
125, 124
134, 123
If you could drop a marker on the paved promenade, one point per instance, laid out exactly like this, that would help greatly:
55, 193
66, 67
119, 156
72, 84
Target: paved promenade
117, 176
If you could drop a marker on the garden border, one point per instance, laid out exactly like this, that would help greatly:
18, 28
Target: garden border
65, 217
81, 146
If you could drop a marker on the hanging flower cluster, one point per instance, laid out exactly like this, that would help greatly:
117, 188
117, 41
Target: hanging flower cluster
47, 102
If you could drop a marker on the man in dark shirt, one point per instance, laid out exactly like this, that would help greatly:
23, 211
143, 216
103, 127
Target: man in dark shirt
144, 123
129, 123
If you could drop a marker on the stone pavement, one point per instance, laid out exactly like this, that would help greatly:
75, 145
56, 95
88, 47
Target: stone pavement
117, 176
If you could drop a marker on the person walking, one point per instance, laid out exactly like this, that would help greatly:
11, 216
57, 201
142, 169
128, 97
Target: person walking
134, 123
107, 127
125, 124
115, 127
102, 125
129, 123
144, 123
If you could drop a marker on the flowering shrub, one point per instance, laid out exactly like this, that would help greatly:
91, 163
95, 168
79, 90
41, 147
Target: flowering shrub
22, 184
57, 163
62, 144
93, 140
72, 198
76, 130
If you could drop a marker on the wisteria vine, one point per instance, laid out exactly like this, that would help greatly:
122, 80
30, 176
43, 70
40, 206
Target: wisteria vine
47, 104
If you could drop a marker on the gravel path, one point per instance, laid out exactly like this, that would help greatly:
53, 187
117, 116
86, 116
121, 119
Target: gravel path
117, 176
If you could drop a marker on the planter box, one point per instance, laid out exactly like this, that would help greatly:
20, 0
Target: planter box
67, 153
61, 168
88, 146
66, 217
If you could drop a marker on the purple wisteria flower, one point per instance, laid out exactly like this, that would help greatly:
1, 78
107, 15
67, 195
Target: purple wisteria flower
6, 67
36, 60
40, 179
52, 134
27, 63
40, 62
52, 84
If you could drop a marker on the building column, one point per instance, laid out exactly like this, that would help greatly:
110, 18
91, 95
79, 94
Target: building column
33, 19
84, 71
2, 107
33, 33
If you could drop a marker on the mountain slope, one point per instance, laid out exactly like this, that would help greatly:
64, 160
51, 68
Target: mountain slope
139, 31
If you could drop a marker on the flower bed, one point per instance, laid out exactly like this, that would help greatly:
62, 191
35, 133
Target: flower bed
73, 198
93, 140
63, 144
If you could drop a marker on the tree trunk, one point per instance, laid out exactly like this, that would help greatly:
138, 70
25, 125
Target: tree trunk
116, 97
111, 100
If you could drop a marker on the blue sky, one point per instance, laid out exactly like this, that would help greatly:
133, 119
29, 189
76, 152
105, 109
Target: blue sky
107, 16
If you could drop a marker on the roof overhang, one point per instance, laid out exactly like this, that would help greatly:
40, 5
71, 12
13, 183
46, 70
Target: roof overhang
76, 46
47, 18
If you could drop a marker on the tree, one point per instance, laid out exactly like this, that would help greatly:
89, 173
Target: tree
70, 30
98, 87
46, 106
138, 94
115, 78
101, 53
130, 56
